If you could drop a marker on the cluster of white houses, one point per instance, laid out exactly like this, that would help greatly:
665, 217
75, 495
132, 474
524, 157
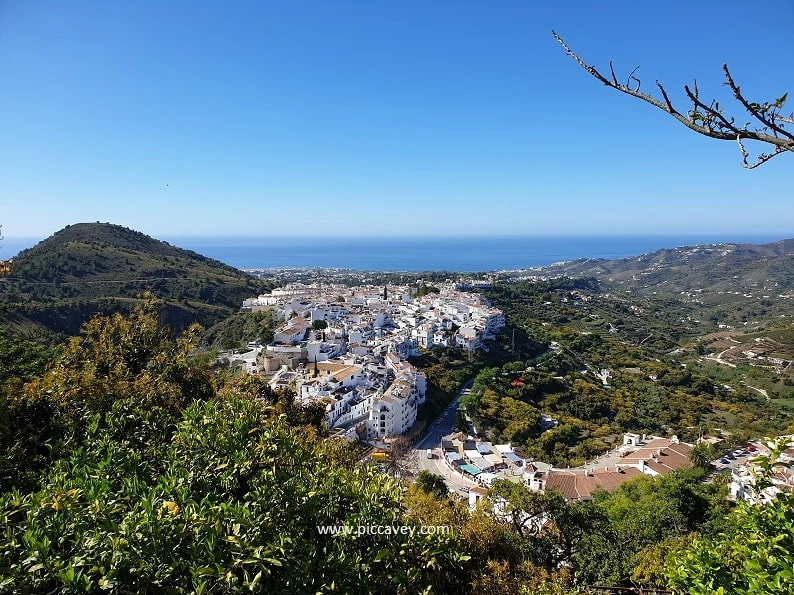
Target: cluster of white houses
639, 455
744, 476
347, 347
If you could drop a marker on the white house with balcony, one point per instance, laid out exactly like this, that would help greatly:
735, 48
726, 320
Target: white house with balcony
349, 406
291, 333
423, 336
468, 338
394, 412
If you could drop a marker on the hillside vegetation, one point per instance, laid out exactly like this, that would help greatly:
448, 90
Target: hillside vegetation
713, 267
685, 341
99, 267
238, 329
128, 466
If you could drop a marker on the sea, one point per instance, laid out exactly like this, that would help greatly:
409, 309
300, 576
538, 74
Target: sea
455, 254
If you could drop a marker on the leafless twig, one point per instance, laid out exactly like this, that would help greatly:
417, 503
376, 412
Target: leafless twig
709, 119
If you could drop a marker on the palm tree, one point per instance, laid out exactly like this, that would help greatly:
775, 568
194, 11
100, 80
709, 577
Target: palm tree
702, 455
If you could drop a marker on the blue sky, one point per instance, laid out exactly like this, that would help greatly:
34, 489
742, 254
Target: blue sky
374, 118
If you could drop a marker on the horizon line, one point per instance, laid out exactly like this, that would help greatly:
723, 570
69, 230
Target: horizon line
462, 236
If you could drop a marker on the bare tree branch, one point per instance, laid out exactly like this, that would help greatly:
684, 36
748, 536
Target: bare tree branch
708, 119
716, 116
612, 70
762, 113
761, 159
670, 107
632, 77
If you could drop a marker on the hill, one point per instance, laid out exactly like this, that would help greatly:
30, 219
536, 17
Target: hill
732, 284
716, 267
86, 268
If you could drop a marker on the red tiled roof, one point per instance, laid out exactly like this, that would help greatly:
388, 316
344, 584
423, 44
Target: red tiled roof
661, 455
578, 486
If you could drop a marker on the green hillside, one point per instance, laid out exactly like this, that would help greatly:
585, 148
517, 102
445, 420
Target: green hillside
86, 268
716, 267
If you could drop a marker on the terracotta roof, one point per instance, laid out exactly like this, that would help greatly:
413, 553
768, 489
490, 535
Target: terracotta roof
346, 372
330, 367
661, 455
578, 486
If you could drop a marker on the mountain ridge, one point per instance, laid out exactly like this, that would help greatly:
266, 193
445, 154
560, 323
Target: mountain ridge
687, 268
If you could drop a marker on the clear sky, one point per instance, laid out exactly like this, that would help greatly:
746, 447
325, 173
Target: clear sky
380, 118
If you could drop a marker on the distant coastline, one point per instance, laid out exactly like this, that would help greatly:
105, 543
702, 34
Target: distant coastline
458, 254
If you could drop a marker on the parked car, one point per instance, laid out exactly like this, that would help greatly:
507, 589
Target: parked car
724, 461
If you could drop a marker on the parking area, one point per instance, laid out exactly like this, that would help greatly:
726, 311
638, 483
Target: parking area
730, 459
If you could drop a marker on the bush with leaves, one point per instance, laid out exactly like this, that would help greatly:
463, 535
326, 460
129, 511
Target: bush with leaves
132, 360
20, 361
233, 506
754, 556
430, 483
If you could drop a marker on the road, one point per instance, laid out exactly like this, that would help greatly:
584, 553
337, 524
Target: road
443, 425
719, 360
762, 391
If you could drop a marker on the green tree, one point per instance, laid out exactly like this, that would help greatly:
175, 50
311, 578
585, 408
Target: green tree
430, 483
702, 455
461, 425
117, 358
424, 290
319, 325
648, 517
130, 360
232, 504
552, 529
755, 555
20, 360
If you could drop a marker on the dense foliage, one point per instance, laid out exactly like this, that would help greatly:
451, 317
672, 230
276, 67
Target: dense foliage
614, 540
231, 504
129, 465
753, 556
424, 290
447, 371
240, 328
115, 360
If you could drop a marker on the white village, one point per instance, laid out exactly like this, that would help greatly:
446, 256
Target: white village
347, 348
